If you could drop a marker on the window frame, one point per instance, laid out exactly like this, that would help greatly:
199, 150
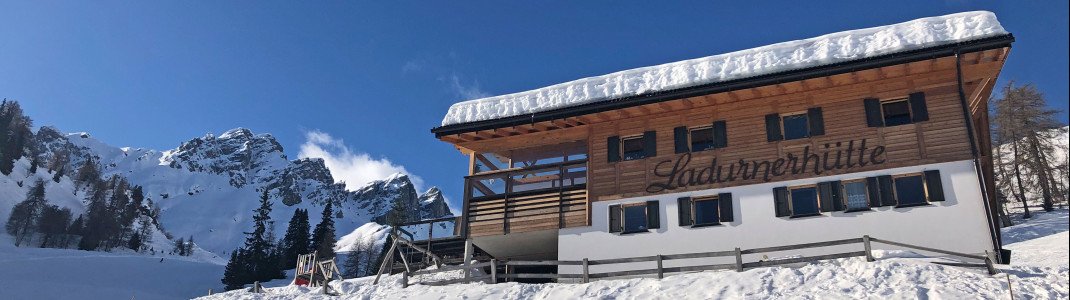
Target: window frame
694, 212
642, 150
783, 128
791, 201
924, 190
624, 217
691, 143
846, 201
910, 111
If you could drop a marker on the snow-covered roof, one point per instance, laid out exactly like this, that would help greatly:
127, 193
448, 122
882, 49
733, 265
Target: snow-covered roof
823, 50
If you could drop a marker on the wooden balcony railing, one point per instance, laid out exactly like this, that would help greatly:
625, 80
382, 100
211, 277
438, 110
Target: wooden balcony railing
544, 197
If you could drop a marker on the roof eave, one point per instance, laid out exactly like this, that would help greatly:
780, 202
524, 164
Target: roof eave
994, 42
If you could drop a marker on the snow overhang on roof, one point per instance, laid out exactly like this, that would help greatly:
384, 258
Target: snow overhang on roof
783, 62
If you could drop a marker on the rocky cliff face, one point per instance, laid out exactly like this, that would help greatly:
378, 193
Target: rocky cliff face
209, 185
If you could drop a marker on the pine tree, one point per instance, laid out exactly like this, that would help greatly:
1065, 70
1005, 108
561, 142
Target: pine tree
53, 224
15, 134
323, 238
256, 260
1023, 121
75, 230
188, 251
296, 240
22, 222
33, 165
97, 218
236, 274
180, 247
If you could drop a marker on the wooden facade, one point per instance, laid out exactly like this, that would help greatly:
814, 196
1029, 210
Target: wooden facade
944, 137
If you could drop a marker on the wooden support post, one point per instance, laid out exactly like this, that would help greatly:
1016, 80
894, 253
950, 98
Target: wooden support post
493, 271
324, 289
405, 279
256, 287
389, 256
869, 249
210, 291
739, 260
661, 271
586, 272
467, 256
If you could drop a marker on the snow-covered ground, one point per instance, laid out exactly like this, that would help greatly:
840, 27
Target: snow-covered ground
1040, 270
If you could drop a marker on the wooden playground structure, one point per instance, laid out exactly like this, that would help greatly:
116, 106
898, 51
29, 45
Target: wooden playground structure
315, 273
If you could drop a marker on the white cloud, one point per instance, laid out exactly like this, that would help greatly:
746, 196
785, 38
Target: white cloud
411, 66
354, 167
467, 92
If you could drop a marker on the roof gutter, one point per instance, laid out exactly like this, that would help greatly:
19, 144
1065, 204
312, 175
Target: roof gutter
994, 42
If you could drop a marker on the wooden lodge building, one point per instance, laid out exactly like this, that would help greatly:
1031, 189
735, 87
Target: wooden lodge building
756, 148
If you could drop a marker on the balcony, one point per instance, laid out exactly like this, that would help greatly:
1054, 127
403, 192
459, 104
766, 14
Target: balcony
528, 199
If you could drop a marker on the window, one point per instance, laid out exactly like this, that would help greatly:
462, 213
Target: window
804, 201
707, 211
632, 147
910, 190
896, 112
796, 127
702, 138
634, 217
855, 194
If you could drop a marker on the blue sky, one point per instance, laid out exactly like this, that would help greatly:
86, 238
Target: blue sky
362, 83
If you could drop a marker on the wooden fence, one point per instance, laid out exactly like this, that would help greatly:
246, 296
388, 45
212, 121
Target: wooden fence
660, 270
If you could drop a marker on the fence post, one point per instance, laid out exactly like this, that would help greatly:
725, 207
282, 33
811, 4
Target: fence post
585, 272
468, 252
739, 260
209, 292
869, 249
661, 273
256, 287
988, 264
404, 279
493, 271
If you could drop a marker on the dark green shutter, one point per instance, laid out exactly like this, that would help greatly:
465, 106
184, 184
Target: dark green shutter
934, 186
918, 109
614, 218
837, 196
680, 138
653, 218
772, 128
720, 134
887, 188
824, 196
873, 191
817, 121
650, 144
724, 200
613, 144
874, 118
780, 201
683, 205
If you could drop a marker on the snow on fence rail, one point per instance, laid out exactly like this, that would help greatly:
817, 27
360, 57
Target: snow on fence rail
660, 270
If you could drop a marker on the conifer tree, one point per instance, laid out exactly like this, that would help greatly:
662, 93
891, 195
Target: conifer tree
236, 274
323, 239
1023, 123
22, 222
53, 224
296, 240
180, 247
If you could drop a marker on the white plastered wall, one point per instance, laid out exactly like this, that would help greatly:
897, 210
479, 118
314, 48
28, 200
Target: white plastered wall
957, 224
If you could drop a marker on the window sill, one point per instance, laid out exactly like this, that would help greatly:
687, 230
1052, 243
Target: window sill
804, 216
706, 225
858, 210
635, 231
913, 205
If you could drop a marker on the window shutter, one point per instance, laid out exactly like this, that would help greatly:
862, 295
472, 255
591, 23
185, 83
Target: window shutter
724, 200
680, 138
650, 144
780, 201
873, 191
817, 121
683, 205
772, 128
874, 118
614, 218
934, 186
917, 107
837, 196
887, 188
653, 218
824, 196
720, 134
613, 144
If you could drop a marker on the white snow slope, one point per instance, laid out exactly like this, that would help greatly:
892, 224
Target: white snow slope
1039, 271
823, 50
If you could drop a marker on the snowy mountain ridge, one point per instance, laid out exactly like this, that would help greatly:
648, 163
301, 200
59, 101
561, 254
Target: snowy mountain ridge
208, 186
